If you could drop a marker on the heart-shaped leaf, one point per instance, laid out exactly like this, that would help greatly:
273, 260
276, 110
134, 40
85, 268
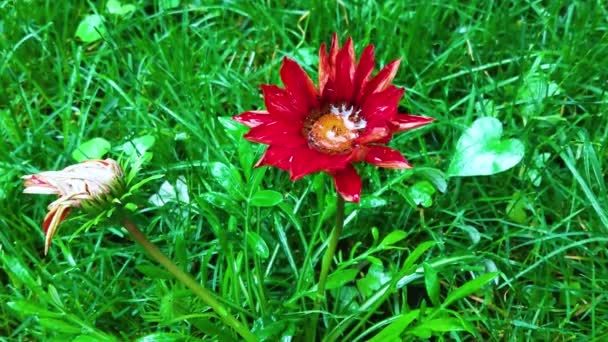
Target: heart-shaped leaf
480, 151
91, 28
421, 194
116, 7
91, 149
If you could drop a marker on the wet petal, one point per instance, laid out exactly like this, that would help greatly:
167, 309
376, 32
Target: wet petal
277, 133
306, 161
282, 105
345, 72
386, 157
376, 131
276, 156
254, 118
383, 104
363, 71
348, 183
327, 62
403, 122
382, 80
299, 84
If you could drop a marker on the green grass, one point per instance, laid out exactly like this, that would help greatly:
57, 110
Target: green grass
172, 72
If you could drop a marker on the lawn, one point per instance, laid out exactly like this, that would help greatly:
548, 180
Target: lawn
428, 253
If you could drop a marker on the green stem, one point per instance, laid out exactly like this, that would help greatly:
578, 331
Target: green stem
328, 257
205, 295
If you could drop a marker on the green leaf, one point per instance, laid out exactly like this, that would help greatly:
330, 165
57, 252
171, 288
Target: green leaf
340, 278
392, 238
425, 328
60, 326
258, 245
153, 272
95, 148
168, 4
160, 337
368, 202
27, 308
481, 151
435, 176
536, 87
91, 28
431, 282
394, 330
117, 8
421, 193
469, 288
228, 177
415, 255
138, 146
516, 208
375, 278
266, 198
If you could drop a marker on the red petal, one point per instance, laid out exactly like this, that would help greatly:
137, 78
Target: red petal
386, 157
254, 118
281, 104
277, 133
51, 224
382, 104
276, 156
327, 62
376, 131
348, 184
306, 161
363, 72
403, 122
298, 83
382, 80
345, 72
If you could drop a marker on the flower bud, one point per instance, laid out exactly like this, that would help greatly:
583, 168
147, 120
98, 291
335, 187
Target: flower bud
90, 180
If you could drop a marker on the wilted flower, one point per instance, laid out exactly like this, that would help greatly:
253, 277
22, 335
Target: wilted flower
348, 118
87, 181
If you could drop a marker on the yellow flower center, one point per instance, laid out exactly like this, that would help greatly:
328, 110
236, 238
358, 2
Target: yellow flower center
333, 132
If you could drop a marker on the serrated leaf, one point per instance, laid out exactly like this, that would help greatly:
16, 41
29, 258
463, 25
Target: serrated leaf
481, 151
266, 198
91, 28
258, 245
95, 148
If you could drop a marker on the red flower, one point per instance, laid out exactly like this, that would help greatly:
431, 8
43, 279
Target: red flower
349, 118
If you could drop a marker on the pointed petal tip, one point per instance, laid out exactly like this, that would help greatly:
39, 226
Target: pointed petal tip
348, 184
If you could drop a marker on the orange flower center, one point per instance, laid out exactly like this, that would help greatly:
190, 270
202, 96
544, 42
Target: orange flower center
333, 132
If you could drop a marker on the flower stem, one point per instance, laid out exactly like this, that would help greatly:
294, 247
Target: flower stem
205, 295
328, 257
